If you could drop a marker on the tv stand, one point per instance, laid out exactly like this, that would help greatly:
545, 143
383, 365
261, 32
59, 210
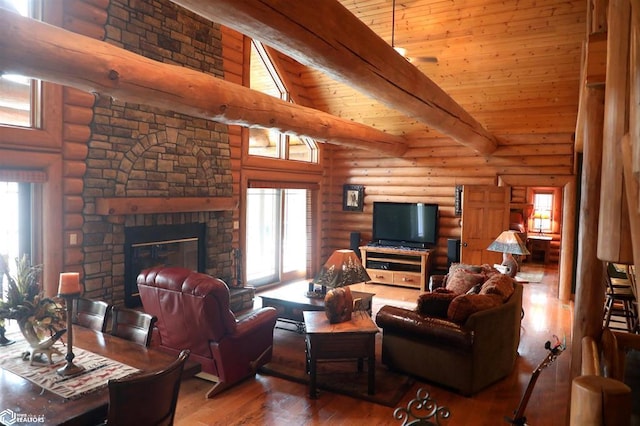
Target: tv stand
398, 266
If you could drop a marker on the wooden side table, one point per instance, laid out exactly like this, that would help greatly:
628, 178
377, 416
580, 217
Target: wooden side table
353, 339
539, 246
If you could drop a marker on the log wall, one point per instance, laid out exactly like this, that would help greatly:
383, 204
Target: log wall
429, 173
87, 18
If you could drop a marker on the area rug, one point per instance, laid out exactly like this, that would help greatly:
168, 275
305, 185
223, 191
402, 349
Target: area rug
533, 276
98, 370
341, 377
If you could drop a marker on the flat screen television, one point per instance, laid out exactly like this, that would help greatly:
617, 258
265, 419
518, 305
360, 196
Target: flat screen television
412, 225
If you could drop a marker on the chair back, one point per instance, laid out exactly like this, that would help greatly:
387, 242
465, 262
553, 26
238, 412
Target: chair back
146, 399
132, 325
90, 313
192, 308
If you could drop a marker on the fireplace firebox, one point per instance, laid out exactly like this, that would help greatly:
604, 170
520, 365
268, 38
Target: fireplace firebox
162, 245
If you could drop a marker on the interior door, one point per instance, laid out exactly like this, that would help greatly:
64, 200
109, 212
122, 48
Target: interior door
485, 214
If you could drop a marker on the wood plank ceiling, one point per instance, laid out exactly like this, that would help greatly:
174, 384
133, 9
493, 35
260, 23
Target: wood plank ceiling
513, 65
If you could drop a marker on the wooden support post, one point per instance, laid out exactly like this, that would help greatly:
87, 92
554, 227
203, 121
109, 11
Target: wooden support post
614, 244
633, 196
634, 101
567, 250
589, 298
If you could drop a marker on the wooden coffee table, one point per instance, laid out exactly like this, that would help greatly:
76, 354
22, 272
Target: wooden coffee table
291, 301
353, 339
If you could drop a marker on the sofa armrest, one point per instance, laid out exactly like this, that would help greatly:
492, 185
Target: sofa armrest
437, 281
395, 320
256, 320
497, 330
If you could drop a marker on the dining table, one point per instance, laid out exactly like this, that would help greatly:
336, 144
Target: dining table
35, 405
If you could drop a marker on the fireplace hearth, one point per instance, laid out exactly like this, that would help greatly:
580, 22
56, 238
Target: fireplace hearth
161, 245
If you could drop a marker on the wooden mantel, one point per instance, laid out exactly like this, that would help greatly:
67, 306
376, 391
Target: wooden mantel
149, 205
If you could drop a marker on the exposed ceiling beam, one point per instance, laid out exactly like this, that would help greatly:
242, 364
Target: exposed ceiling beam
326, 36
39, 50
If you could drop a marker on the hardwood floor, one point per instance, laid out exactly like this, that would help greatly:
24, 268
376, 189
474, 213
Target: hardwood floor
268, 400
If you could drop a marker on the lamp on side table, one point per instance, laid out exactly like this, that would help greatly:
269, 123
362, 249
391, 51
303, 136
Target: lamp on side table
341, 269
509, 243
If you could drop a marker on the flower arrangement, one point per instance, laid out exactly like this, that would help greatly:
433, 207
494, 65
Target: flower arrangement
26, 303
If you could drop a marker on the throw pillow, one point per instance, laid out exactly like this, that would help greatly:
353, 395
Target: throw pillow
461, 281
499, 284
462, 307
435, 304
470, 268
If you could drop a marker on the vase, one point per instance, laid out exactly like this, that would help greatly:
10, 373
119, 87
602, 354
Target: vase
338, 305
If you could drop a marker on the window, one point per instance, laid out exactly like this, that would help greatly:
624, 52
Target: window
9, 223
21, 97
542, 211
277, 236
268, 142
16, 199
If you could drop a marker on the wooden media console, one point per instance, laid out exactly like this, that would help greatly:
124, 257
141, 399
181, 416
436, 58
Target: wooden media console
397, 266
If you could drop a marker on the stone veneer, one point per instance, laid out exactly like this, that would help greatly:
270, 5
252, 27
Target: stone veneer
138, 151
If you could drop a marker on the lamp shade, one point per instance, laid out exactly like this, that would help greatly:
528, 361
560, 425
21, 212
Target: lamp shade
69, 284
541, 214
509, 242
342, 268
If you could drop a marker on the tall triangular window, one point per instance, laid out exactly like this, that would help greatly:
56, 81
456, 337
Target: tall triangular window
272, 143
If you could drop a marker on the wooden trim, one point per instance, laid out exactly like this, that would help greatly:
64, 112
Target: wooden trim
531, 180
52, 221
250, 175
147, 205
261, 183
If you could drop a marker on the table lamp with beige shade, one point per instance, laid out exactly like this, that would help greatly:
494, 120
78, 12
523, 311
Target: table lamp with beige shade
509, 243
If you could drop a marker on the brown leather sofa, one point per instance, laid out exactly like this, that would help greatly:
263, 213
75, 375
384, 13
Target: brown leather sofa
464, 356
608, 390
193, 313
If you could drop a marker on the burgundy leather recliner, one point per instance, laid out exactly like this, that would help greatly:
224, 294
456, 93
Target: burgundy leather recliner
193, 313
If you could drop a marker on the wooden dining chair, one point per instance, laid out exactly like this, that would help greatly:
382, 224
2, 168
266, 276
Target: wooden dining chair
620, 300
91, 314
148, 398
133, 325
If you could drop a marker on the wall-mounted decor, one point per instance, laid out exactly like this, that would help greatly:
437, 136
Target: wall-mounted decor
458, 200
353, 197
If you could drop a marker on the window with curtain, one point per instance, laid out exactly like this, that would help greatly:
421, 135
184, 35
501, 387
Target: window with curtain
542, 211
20, 96
278, 234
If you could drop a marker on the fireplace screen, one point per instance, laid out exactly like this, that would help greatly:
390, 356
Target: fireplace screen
169, 245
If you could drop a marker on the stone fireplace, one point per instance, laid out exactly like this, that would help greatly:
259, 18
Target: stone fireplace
164, 245
148, 167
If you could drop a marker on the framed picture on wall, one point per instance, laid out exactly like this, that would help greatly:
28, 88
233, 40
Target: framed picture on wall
353, 198
458, 201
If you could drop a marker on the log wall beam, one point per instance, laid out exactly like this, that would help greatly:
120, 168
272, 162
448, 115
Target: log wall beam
39, 50
327, 36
